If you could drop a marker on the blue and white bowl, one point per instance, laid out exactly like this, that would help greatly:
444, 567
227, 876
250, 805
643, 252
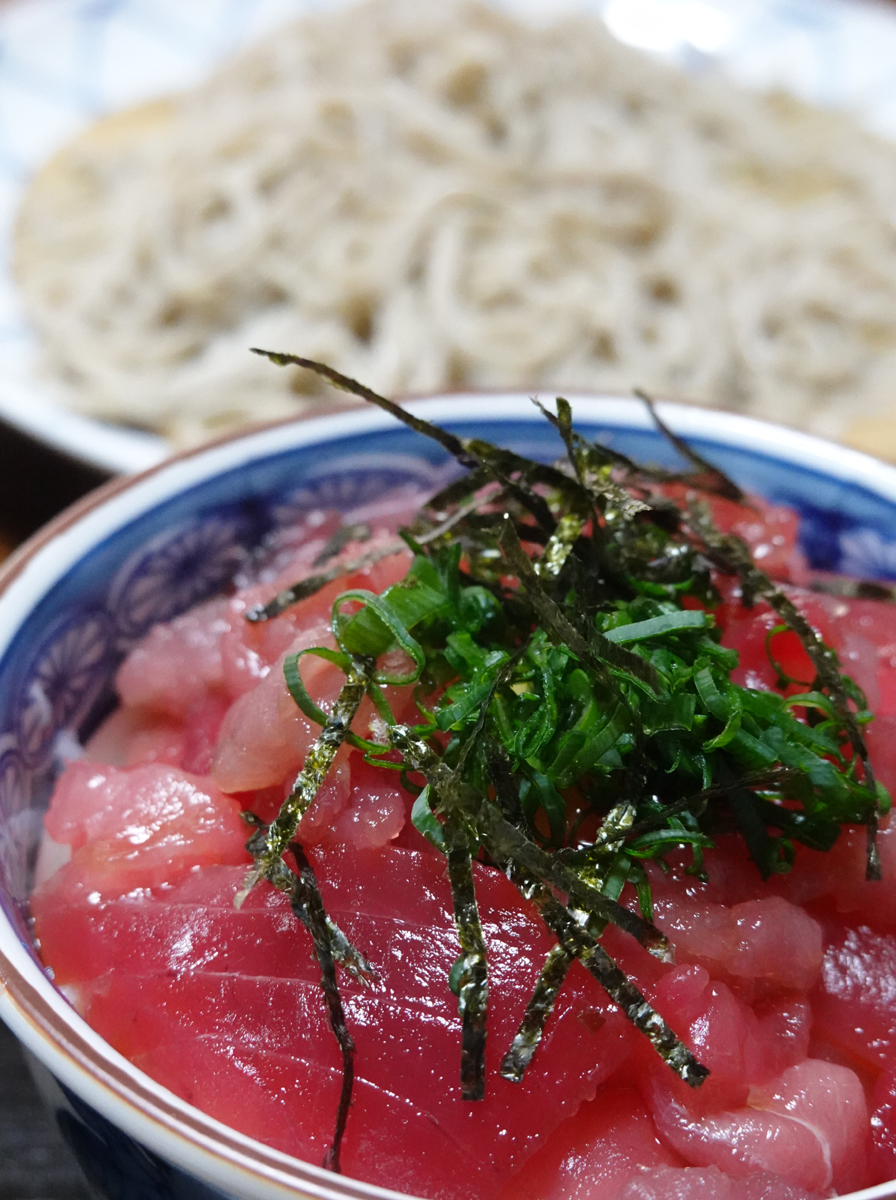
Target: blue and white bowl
82, 592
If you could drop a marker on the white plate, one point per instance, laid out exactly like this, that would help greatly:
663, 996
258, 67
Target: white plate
65, 62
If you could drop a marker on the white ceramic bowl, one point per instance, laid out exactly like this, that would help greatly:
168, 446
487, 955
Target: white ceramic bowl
81, 592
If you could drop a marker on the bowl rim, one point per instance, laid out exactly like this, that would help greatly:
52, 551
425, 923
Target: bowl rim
30, 1004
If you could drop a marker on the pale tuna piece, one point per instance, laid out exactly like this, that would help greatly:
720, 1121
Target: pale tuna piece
177, 664
694, 1183
740, 1045
809, 1126
265, 736
132, 735
249, 649
611, 1140
364, 809
828, 1099
139, 828
855, 1005
768, 940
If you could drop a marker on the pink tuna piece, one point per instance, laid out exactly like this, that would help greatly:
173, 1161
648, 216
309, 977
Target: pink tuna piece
139, 828
828, 1099
740, 1046
250, 649
709, 1183
769, 941
177, 664
185, 985
855, 1004
610, 1140
809, 1126
265, 736
839, 876
131, 736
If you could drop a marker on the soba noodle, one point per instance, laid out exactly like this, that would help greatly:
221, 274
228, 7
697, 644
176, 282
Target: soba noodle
436, 196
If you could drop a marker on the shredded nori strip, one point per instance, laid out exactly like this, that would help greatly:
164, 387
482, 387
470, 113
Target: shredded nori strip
343, 952
309, 907
578, 942
318, 761
713, 479
618, 823
345, 383
506, 843
538, 1010
340, 539
471, 967
313, 583
601, 651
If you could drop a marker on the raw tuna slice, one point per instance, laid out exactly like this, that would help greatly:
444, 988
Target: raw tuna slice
855, 1005
139, 828
709, 1183
161, 973
809, 1126
609, 1141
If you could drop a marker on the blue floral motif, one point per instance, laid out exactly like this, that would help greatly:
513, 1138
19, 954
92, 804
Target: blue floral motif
64, 678
19, 824
867, 554
174, 571
354, 487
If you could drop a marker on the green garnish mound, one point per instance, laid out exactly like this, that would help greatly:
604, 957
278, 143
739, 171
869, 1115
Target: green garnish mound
577, 715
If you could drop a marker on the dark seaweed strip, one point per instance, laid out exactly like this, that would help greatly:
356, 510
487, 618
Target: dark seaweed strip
472, 967
580, 451
346, 384
318, 761
436, 531
715, 480
308, 900
501, 775
856, 589
579, 943
499, 463
343, 952
279, 876
508, 462
307, 587
538, 1010
458, 490
469, 454
562, 422
541, 1004
733, 556
561, 628
340, 539
505, 843
766, 781
559, 546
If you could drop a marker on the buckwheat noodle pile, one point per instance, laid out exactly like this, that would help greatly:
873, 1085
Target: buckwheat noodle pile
437, 196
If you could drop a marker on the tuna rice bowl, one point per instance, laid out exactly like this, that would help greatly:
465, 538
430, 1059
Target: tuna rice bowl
525, 839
